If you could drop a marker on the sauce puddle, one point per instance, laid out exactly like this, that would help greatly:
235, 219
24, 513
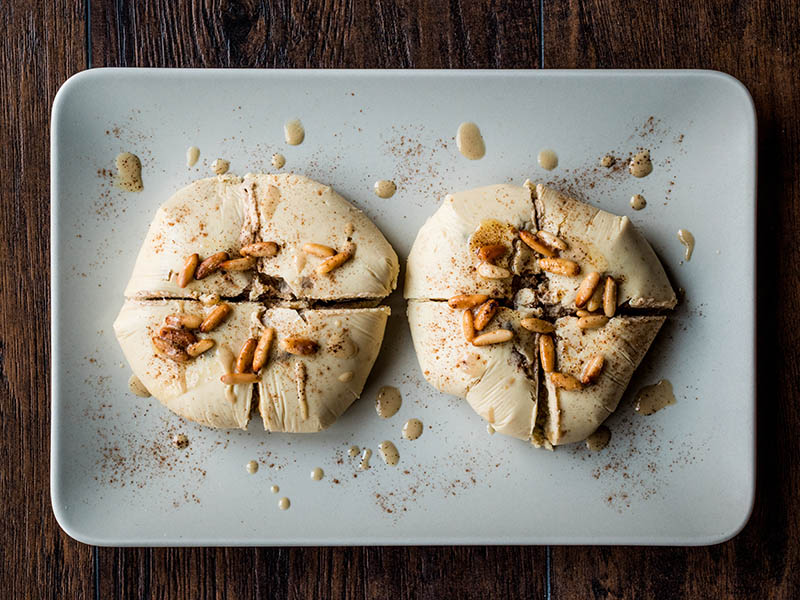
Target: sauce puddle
412, 429
470, 141
547, 159
652, 398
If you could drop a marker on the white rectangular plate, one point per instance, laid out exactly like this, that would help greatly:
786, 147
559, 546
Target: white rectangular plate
684, 475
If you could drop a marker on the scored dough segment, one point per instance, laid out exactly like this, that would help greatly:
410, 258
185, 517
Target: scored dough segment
504, 382
330, 315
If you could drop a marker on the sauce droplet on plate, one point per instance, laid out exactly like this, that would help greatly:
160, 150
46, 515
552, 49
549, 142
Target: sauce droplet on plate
599, 439
638, 202
278, 160
686, 238
220, 166
388, 401
353, 451
192, 154
389, 453
608, 161
412, 429
284, 503
652, 398
252, 467
547, 159
470, 141
137, 387
640, 165
317, 474
365, 456
275, 489
293, 132
385, 188
129, 172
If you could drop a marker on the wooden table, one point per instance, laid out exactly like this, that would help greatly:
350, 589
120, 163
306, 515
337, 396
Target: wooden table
45, 42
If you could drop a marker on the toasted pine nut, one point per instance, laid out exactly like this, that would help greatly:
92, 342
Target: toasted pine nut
211, 264
551, 240
467, 300
170, 349
180, 337
547, 353
596, 301
186, 321
586, 313
298, 345
467, 325
592, 369
485, 313
238, 264
560, 266
336, 261
491, 253
244, 362
318, 250
537, 325
592, 322
565, 381
535, 244
587, 288
262, 349
237, 378
260, 249
490, 271
498, 336
610, 297
215, 317
199, 347
187, 272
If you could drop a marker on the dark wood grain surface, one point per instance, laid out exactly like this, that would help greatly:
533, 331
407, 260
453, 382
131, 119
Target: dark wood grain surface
44, 43
39, 49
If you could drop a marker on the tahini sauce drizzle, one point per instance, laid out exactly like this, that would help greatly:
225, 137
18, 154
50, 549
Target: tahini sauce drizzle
225, 358
686, 238
389, 453
388, 402
640, 165
652, 398
599, 439
385, 188
365, 456
284, 503
470, 141
129, 172
192, 154
137, 387
252, 467
220, 166
353, 451
278, 160
317, 474
293, 132
608, 161
412, 429
638, 202
547, 159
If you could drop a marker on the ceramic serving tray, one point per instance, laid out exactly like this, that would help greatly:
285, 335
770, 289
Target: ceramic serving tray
684, 475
